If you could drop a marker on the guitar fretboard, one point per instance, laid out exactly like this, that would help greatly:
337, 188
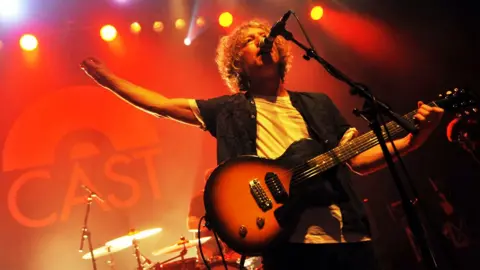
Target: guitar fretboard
349, 150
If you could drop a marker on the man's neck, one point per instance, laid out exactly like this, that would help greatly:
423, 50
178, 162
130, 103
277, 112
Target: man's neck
268, 88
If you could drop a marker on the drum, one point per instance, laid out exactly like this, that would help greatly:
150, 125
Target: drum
252, 263
218, 265
186, 264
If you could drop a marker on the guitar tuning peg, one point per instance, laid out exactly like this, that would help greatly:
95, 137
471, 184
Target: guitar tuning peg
474, 110
458, 115
455, 90
467, 113
449, 93
440, 95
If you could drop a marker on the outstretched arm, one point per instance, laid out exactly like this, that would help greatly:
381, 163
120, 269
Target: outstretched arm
147, 100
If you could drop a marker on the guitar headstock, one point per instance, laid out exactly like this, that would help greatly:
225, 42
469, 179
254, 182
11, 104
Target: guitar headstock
460, 101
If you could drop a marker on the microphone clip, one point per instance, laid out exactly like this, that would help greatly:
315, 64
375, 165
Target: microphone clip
92, 195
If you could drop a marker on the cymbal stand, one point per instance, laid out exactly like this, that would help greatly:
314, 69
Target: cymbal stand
182, 253
111, 262
86, 234
145, 260
137, 253
141, 259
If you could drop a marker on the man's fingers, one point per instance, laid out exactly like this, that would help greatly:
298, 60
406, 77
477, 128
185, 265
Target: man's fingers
418, 117
423, 111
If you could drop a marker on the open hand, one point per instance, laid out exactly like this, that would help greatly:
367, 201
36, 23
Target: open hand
97, 71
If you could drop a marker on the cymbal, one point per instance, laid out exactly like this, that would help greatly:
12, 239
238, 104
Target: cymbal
179, 246
121, 242
127, 240
102, 251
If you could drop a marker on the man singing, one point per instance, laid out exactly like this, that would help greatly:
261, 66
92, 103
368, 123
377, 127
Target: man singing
261, 117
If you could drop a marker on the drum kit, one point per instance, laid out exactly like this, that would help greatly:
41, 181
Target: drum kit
132, 238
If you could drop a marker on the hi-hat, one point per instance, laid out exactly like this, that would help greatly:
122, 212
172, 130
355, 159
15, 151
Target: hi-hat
180, 245
121, 242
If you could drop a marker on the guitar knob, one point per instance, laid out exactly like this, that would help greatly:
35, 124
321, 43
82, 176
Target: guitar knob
260, 222
242, 231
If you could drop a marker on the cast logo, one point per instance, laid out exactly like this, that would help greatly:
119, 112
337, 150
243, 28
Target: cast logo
78, 136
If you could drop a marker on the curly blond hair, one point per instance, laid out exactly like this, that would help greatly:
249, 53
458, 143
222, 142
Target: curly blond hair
228, 55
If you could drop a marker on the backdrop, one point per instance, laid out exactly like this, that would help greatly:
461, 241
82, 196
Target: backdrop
59, 130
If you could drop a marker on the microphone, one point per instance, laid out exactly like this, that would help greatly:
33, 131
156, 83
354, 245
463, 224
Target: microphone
93, 194
278, 28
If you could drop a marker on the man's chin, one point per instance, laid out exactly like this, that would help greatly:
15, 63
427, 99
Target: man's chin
266, 63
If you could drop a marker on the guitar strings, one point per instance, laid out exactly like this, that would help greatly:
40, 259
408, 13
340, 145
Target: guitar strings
312, 171
305, 171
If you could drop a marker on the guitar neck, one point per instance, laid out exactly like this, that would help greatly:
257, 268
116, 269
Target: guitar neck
356, 146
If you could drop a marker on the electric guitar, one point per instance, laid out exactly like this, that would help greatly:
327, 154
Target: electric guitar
253, 202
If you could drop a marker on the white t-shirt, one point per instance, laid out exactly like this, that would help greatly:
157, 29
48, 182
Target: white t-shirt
279, 124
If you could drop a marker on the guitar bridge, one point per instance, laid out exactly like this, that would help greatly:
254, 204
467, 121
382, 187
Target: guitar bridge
260, 196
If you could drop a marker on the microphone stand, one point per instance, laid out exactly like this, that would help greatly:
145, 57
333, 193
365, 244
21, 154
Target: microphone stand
86, 234
371, 109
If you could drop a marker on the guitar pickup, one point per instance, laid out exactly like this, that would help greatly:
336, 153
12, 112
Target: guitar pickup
260, 196
276, 187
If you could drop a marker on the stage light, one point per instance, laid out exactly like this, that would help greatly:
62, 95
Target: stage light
28, 42
200, 21
9, 8
108, 33
225, 19
187, 41
158, 26
316, 13
180, 23
135, 28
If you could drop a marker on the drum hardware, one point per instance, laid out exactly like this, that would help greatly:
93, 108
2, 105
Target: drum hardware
121, 243
181, 246
142, 261
111, 262
186, 264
